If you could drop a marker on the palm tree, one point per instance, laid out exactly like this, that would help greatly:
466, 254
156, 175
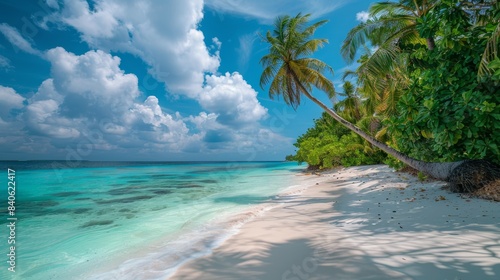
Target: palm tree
292, 73
350, 106
483, 14
389, 25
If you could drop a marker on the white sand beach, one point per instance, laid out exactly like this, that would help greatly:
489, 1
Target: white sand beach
365, 222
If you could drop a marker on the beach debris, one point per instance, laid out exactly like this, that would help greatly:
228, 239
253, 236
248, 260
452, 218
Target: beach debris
439, 198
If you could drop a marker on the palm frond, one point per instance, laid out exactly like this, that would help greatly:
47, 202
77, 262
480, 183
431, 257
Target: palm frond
490, 53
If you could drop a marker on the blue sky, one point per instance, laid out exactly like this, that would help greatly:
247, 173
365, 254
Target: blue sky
152, 80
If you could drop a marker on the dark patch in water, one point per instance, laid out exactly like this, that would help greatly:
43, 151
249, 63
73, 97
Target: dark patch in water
129, 216
102, 212
124, 210
124, 200
83, 198
47, 203
59, 211
96, 223
160, 191
218, 169
208, 181
159, 208
81, 210
132, 177
159, 176
137, 181
66, 194
191, 186
37, 208
125, 190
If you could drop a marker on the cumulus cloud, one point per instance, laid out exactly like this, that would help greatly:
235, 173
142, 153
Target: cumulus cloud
166, 36
9, 99
83, 89
163, 33
232, 99
169, 129
91, 92
266, 11
93, 83
17, 40
362, 16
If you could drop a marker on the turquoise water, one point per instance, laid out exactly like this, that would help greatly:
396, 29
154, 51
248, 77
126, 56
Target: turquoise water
128, 220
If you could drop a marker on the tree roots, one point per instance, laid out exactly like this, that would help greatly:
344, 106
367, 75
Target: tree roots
473, 175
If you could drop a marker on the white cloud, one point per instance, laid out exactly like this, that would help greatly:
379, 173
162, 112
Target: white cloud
17, 40
171, 128
362, 16
9, 99
41, 116
92, 80
99, 23
205, 121
233, 99
267, 11
52, 3
163, 33
88, 90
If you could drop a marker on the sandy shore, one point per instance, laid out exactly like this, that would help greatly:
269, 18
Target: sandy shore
364, 222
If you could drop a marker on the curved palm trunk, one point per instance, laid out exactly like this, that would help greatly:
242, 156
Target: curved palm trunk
437, 170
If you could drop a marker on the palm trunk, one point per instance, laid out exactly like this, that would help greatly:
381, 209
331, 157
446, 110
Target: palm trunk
437, 170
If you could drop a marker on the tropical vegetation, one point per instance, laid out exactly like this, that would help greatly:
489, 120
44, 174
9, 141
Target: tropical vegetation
426, 90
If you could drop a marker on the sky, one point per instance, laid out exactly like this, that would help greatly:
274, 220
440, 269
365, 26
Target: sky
153, 80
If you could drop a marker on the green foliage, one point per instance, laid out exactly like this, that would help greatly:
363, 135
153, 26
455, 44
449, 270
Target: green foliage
447, 113
394, 163
421, 176
430, 89
329, 144
494, 65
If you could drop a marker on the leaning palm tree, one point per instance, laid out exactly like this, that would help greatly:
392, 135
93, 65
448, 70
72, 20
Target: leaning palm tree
291, 72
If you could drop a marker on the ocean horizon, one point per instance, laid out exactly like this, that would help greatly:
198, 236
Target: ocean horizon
129, 220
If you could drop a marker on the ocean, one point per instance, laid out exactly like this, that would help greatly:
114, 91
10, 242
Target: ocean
127, 220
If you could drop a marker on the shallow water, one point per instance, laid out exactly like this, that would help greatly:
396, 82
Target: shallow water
128, 220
